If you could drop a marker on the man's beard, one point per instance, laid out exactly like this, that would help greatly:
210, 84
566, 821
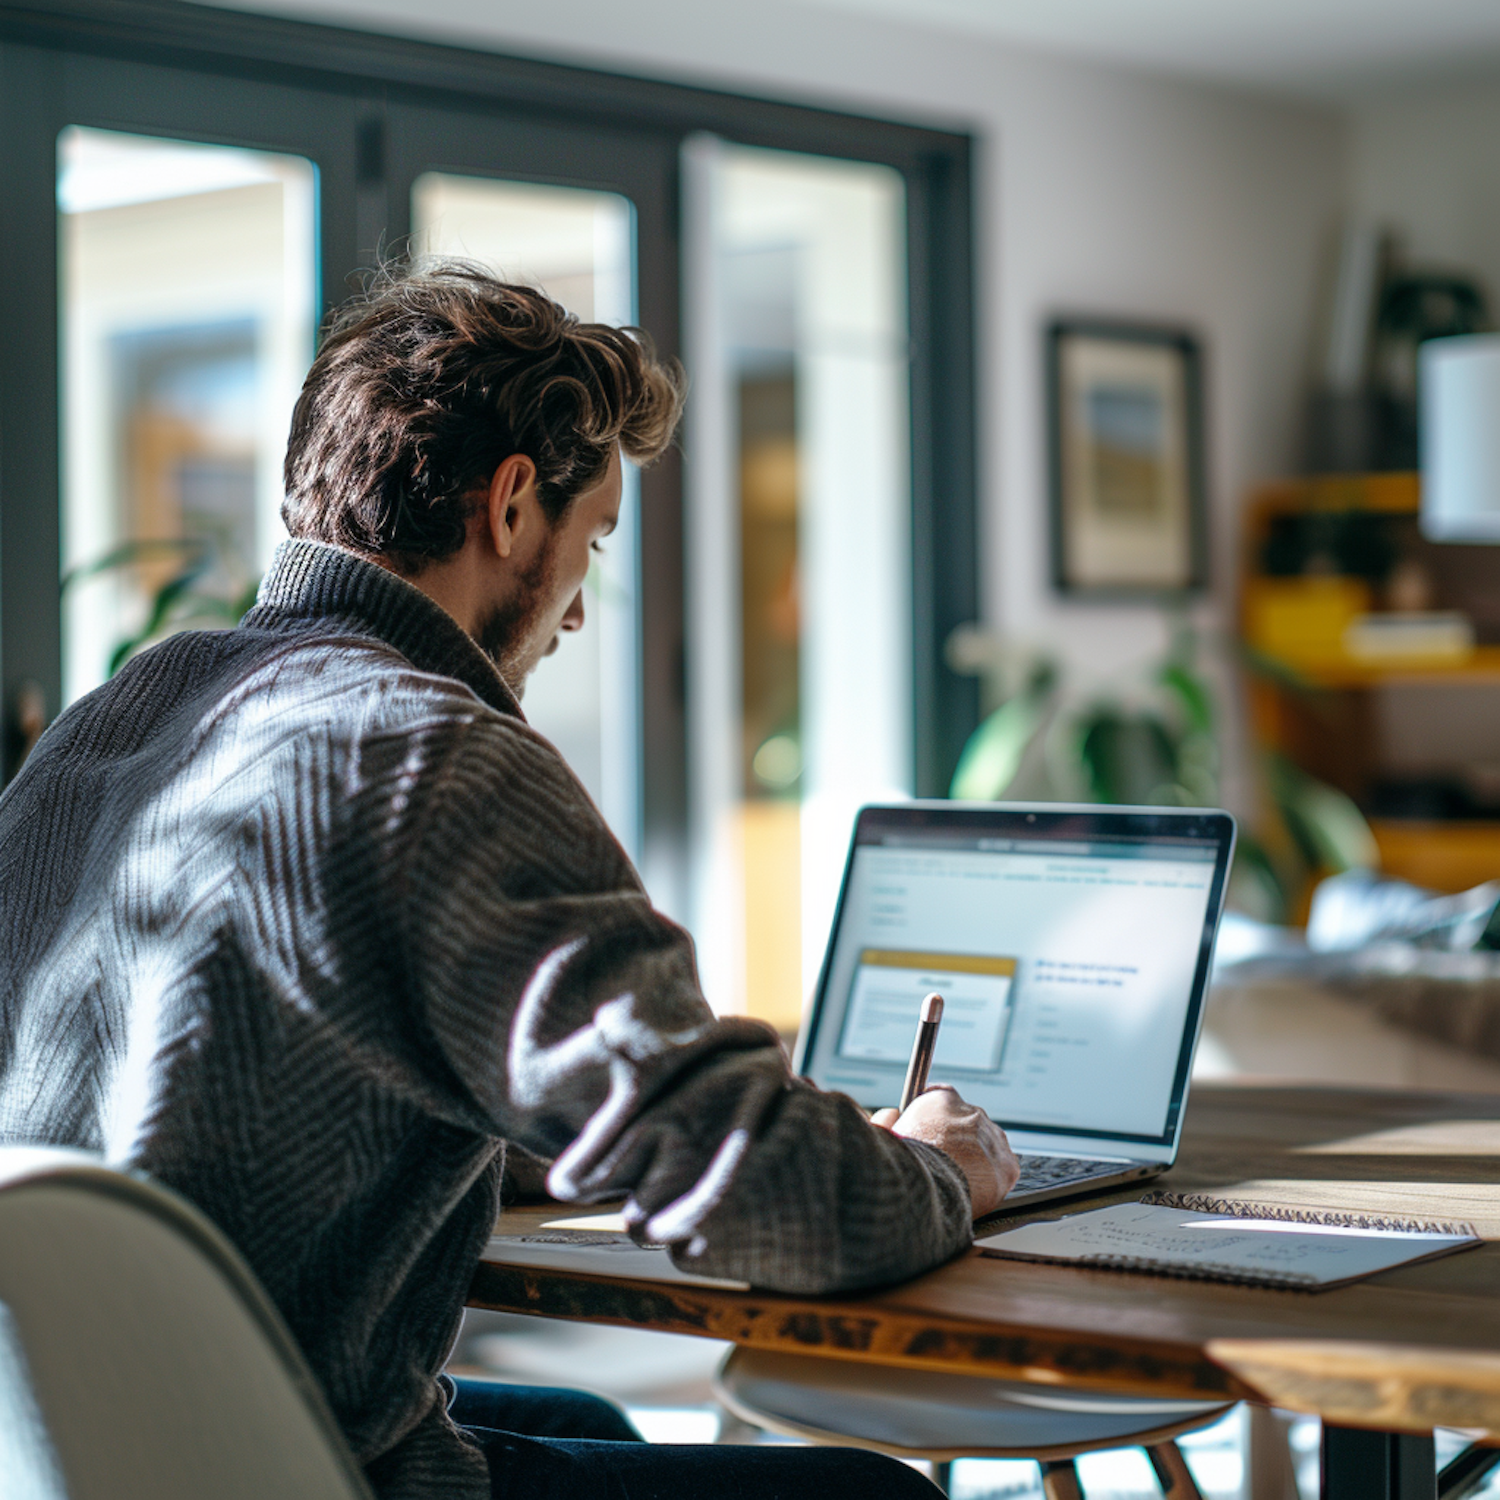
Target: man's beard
507, 634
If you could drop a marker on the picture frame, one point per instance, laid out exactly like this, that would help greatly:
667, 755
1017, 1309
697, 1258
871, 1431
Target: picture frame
1126, 459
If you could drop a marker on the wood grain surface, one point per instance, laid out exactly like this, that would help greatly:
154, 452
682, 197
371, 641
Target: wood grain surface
1391, 1387
1389, 1152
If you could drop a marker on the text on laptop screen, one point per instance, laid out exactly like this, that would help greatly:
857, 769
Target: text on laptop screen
1066, 970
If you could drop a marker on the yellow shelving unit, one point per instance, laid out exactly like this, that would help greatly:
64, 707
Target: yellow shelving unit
1311, 696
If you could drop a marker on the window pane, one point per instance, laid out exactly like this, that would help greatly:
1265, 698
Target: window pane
578, 247
801, 549
187, 320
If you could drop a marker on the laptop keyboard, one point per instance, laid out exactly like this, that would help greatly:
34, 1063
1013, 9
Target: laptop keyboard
1053, 1171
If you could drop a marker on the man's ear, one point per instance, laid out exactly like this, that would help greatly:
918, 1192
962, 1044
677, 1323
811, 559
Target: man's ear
512, 505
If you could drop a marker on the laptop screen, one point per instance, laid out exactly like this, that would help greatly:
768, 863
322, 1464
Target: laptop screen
1070, 951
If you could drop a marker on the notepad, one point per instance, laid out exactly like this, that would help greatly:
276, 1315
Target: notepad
598, 1245
1217, 1240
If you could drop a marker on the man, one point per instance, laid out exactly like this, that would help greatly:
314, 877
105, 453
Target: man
302, 919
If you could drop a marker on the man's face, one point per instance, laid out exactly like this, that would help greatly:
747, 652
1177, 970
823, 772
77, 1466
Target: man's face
548, 597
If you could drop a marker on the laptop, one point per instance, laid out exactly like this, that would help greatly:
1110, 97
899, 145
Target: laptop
1071, 946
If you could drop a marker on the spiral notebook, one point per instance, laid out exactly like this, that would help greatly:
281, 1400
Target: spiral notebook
596, 1244
1216, 1239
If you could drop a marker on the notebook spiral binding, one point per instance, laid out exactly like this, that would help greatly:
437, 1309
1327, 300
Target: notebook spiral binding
1201, 1203
1297, 1281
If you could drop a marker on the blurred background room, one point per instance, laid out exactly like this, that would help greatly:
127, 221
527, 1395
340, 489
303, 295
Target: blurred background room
1090, 402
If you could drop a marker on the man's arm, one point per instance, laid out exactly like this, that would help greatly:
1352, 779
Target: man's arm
570, 1011
962, 1131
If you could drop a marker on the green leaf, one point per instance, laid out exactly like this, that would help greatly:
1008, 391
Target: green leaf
246, 601
1327, 827
122, 653
133, 552
993, 753
1277, 671
1192, 693
1254, 867
167, 597
1127, 756
177, 599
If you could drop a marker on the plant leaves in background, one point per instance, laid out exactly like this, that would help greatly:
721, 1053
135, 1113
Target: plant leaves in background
1329, 830
128, 553
1255, 882
993, 753
1168, 753
179, 601
1129, 758
1191, 694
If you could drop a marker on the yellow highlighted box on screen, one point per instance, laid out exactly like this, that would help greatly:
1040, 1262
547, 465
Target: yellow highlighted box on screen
881, 1017
952, 963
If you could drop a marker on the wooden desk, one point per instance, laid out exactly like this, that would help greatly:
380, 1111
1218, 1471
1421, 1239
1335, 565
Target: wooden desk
1407, 1153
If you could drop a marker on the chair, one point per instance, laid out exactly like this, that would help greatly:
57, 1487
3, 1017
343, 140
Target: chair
940, 1417
139, 1359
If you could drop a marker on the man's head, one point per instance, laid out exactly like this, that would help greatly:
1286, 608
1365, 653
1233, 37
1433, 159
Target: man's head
467, 434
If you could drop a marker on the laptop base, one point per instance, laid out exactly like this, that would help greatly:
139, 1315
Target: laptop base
1044, 1178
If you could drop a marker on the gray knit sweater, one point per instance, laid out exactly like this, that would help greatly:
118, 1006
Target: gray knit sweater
302, 919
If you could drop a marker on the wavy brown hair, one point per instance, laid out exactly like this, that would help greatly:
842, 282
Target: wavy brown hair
430, 378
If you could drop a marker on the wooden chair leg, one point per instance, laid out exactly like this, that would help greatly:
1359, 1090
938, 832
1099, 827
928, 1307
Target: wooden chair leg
1060, 1480
1272, 1474
1172, 1473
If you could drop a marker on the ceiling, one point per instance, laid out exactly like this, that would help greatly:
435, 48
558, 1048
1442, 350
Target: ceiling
1325, 48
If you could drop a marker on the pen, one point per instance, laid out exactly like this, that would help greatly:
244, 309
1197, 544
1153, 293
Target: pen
922, 1048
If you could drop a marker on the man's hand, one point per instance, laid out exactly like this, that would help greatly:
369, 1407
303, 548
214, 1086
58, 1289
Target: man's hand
940, 1118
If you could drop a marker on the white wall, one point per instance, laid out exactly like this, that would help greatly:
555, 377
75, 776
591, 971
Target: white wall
1102, 189
1424, 160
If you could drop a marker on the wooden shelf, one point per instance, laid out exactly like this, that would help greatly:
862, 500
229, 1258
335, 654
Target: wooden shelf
1482, 664
1312, 701
1448, 856
1397, 494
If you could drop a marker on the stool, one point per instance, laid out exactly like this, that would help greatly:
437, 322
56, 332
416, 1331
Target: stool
939, 1417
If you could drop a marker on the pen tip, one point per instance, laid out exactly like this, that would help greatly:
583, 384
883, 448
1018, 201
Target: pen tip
932, 1007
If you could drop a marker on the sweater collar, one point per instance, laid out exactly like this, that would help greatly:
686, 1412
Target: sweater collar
310, 581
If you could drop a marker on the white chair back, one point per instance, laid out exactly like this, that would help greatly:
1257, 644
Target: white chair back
139, 1358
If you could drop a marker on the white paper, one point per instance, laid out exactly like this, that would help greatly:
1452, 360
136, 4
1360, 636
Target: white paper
600, 1253
599, 1223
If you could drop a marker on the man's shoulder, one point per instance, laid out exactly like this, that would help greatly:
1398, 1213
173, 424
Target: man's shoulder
350, 671
448, 764
359, 688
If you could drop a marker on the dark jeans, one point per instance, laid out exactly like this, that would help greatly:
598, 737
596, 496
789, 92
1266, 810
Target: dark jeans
562, 1445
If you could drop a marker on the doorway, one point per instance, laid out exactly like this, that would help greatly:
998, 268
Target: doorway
153, 350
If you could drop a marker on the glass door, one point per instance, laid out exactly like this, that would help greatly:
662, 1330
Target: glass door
187, 306
577, 245
800, 517
187, 227
587, 220
185, 232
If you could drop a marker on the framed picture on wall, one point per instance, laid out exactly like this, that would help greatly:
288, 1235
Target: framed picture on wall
1125, 418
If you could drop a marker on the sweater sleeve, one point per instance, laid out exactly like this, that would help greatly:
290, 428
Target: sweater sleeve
570, 1012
